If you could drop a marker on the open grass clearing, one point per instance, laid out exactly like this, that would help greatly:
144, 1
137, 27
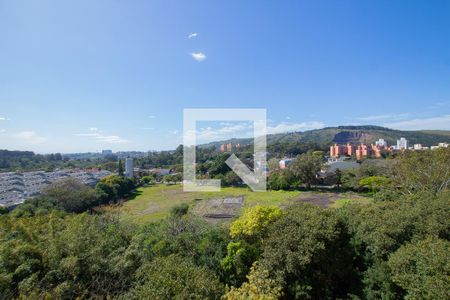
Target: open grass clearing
153, 203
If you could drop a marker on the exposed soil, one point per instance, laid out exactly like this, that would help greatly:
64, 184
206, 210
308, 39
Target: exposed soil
214, 210
319, 199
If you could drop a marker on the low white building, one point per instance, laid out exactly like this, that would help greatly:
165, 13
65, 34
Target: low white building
381, 143
159, 171
402, 143
286, 162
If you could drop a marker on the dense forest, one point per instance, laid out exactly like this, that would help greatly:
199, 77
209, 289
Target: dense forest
59, 246
23, 161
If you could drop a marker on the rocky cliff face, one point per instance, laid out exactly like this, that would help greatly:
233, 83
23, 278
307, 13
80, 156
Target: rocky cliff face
353, 137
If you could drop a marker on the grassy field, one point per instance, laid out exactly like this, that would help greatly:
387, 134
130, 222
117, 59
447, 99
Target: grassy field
154, 202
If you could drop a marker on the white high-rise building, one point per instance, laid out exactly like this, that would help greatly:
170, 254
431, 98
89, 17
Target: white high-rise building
381, 143
129, 167
402, 143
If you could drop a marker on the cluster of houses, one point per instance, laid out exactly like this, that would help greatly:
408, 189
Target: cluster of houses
15, 187
361, 151
230, 147
375, 150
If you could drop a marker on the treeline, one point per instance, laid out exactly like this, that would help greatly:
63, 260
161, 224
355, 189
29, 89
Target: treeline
211, 154
23, 161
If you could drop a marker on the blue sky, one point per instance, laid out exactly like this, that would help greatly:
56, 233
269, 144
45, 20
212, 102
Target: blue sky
89, 75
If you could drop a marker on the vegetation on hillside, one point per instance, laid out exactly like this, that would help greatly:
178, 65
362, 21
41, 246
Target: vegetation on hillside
24, 161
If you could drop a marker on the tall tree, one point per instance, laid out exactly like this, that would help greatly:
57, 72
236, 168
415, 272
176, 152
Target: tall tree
306, 167
417, 171
120, 168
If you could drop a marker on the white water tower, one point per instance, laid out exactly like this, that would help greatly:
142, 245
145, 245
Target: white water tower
129, 167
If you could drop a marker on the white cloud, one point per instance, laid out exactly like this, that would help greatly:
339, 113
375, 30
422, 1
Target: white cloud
442, 123
111, 139
151, 117
245, 130
100, 137
385, 117
198, 56
30, 137
227, 131
2, 130
86, 134
192, 35
3, 119
291, 127
220, 131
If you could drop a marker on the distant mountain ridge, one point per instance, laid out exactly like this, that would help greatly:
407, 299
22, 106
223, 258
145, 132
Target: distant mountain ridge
349, 134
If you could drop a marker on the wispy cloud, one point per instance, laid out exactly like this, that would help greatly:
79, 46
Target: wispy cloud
30, 137
227, 130
198, 56
111, 139
385, 117
148, 128
3, 119
192, 35
245, 130
441, 122
292, 127
86, 134
98, 135
151, 117
2, 130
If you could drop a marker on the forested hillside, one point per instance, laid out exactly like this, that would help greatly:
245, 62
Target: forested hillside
22, 161
352, 134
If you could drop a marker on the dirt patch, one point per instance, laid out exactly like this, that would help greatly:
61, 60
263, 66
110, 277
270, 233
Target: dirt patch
214, 210
319, 199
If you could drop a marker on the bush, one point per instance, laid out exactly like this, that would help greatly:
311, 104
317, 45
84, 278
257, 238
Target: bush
306, 252
259, 286
174, 277
422, 268
254, 221
114, 187
180, 209
71, 195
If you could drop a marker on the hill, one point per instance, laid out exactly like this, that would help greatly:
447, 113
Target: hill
349, 134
